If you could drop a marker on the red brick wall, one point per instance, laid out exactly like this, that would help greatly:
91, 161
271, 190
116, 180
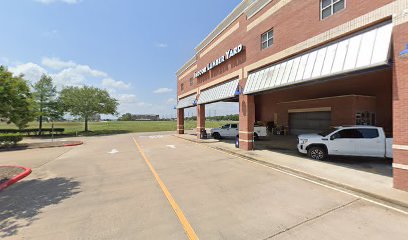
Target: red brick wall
292, 24
180, 121
200, 119
246, 121
400, 105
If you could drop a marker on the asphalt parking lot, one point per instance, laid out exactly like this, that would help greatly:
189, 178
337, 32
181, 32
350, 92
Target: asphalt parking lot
144, 186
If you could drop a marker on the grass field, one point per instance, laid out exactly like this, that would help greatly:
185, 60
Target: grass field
100, 128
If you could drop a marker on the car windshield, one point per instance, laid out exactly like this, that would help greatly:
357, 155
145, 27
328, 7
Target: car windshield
327, 132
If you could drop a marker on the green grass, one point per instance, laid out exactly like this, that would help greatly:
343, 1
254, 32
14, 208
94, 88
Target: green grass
103, 128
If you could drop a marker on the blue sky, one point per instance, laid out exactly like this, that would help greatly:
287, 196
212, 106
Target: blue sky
131, 48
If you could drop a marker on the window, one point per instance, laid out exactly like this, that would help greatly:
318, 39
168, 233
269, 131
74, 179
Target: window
330, 7
348, 133
234, 125
369, 133
267, 39
191, 81
182, 87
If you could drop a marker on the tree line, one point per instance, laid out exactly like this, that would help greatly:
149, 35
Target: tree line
21, 102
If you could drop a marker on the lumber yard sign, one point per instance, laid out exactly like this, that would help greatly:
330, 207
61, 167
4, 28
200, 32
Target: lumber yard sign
228, 54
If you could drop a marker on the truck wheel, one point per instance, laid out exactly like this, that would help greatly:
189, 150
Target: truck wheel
256, 137
317, 153
217, 136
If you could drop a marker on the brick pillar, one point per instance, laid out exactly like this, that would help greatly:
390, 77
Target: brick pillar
180, 121
400, 108
246, 122
200, 119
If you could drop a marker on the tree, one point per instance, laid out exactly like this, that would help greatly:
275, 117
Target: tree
126, 117
45, 95
86, 102
16, 102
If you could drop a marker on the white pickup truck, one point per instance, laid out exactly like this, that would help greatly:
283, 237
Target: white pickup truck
365, 141
232, 130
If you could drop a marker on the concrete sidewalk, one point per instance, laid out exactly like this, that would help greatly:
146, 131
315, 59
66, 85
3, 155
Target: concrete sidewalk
365, 184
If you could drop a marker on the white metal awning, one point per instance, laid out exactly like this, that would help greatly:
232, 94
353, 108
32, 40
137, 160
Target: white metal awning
361, 51
218, 93
187, 102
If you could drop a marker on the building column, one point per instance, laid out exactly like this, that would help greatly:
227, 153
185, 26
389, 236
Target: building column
400, 107
200, 119
180, 121
246, 122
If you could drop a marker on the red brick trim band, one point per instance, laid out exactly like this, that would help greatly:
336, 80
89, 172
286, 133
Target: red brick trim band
17, 178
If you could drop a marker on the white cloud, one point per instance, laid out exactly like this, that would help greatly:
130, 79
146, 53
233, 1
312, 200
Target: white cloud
126, 98
162, 45
69, 77
162, 90
74, 76
88, 71
110, 83
65, 73
31, 71
58, 1
56, 63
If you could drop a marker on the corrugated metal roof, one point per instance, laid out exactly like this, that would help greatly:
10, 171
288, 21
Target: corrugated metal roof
220, 92
361, 51
187, 102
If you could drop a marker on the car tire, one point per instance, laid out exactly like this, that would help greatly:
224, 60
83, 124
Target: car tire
216, 136
256, 137
317, 153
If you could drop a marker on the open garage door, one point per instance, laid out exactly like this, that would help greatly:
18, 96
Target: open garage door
309, 122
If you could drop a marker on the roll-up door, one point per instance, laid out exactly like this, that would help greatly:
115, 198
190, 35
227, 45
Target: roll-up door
309, 122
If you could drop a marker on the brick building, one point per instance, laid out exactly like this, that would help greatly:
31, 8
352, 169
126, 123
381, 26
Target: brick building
306, 65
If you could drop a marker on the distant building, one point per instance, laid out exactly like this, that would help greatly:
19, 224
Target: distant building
148, 117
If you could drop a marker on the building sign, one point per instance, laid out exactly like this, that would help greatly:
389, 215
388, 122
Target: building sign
228, 54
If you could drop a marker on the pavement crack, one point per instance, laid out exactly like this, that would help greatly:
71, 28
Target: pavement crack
314, 218
52, 160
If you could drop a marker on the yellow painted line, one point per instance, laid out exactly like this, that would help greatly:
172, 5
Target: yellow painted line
182, 218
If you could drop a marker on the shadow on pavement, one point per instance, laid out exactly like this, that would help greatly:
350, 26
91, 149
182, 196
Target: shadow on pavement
20, 205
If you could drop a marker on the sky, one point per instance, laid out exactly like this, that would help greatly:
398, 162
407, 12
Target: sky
132, 48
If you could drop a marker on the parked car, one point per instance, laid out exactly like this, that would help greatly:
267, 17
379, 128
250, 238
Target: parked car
364, 141
232, 131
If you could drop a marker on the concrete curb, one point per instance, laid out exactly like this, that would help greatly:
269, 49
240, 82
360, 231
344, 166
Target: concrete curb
351, 189
27, 171
73, 144
43, 146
